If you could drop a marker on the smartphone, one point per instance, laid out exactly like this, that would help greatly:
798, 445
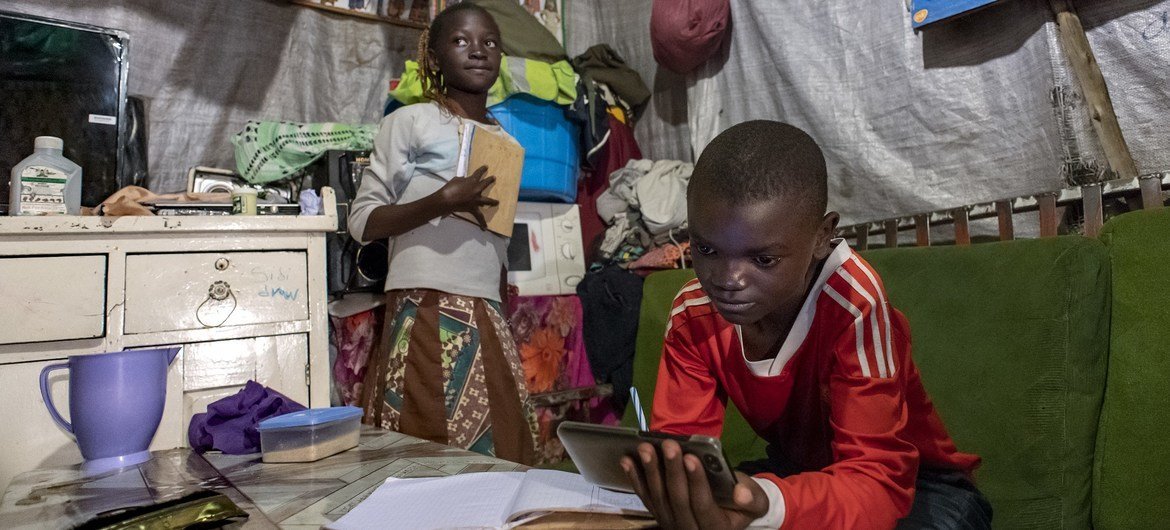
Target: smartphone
597, 451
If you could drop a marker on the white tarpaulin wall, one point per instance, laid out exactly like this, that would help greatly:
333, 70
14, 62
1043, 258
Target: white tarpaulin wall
964, 111
959, 113
207, 67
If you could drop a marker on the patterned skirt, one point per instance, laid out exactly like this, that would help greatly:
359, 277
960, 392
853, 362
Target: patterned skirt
446, 369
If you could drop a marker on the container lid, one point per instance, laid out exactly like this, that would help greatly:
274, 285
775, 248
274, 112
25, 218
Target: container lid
310, 417
48, 142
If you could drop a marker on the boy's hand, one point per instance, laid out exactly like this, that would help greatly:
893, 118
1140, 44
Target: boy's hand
466, 194
676, 491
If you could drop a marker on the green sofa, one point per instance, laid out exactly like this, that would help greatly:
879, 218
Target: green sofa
1050, 358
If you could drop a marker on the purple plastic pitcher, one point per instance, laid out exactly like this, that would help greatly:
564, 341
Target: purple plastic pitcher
115, 404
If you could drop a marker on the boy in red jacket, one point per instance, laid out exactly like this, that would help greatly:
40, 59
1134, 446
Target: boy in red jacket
796, 330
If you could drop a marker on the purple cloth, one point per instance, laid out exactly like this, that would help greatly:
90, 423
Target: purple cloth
229, 425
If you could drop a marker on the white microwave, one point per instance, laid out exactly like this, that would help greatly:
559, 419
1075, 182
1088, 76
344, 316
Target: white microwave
546, 256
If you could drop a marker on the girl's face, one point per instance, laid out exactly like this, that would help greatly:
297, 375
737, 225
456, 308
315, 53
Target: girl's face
467, 52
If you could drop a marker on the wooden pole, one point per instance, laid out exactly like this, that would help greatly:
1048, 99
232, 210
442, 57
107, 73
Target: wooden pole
1048, 220
1088, 73
922, 230
1003, 210
1092, 202
962, 229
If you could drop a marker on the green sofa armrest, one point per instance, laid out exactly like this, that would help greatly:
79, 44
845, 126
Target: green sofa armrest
1131, 479
1011, 341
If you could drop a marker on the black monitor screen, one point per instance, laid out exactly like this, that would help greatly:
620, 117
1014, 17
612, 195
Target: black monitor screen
65, 80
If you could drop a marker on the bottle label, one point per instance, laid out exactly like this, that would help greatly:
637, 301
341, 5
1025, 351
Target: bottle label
42, 191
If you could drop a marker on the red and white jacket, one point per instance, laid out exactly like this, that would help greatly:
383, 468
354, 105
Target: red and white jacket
841, 400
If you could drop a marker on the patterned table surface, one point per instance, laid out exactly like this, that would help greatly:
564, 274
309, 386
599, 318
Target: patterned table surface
302, 495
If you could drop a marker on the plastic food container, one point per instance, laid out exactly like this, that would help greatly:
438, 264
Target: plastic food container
309, 435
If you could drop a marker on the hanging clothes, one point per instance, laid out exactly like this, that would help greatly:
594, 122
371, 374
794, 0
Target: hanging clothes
620, 149
523, 34
656, 189
684, 34
602, 64
611, 299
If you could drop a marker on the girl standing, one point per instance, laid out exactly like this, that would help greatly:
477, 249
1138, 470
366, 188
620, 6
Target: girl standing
446, 368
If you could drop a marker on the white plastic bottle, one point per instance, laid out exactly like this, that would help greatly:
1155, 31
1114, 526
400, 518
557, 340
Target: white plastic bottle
45, 183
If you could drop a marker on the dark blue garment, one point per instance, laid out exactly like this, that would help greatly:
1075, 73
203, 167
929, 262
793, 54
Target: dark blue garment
229, 425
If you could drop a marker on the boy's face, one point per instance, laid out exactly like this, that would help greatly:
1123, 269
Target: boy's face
468, 52
756, 259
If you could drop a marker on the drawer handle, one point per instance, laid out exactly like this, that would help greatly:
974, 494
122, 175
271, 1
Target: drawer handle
217, 292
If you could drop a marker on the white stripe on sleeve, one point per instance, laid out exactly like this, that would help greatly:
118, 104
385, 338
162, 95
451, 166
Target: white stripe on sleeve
857, 324
878, 348
885, 311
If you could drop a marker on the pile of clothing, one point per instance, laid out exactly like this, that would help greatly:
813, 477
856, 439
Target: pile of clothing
645, 208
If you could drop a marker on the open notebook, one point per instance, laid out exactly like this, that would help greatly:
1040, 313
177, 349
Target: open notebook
504, 159
483, 500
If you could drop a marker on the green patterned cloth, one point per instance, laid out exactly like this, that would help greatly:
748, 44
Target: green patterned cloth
268, 151
556, 82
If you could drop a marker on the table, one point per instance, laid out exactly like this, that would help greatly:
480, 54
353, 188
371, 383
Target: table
291, 496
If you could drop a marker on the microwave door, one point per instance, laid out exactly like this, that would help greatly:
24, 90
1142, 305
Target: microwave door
527, 250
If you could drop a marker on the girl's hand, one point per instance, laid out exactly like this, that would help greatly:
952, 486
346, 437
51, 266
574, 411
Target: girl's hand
466, 194
675, 489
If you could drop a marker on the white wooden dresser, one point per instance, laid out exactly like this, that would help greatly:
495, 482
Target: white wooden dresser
244, 295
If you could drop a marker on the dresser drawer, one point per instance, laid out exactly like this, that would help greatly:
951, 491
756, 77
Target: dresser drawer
215, 370
52, 298
171, 292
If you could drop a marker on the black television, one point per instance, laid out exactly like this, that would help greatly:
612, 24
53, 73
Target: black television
67, 80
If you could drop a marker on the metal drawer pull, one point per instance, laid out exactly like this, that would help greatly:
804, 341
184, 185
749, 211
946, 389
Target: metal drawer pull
217, 292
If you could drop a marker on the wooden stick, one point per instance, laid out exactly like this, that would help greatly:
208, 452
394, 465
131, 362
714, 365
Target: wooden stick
1088, 73
863, 237
1048, 220
891, 233
962, 229
922, 230
1151, 191
1007, 230
1094, 215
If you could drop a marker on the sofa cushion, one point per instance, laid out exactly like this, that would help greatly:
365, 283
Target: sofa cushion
739, 441
1011, 342
1131, 482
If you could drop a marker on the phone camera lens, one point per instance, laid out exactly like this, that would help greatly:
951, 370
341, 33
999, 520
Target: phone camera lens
712, 463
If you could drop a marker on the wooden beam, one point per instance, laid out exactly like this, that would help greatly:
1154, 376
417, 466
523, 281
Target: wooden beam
1092, 201
863, 237
1048, 219
922, 230
1096, 93
1151, 191
891, 233
962, 228
1007, 230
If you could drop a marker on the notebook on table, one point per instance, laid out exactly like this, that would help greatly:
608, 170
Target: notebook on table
485, 500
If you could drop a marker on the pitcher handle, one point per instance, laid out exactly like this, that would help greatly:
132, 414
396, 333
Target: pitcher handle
49, 399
